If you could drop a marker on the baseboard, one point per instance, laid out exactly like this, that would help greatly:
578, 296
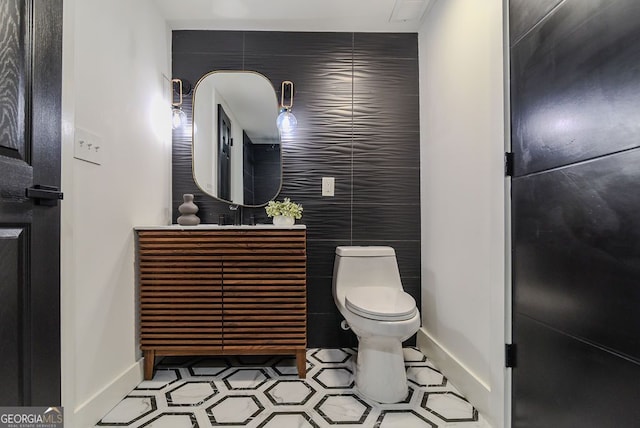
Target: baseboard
87, 414
471, 386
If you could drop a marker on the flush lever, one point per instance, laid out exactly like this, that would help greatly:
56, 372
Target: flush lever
44, 195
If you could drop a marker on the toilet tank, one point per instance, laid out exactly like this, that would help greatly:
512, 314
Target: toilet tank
364, 266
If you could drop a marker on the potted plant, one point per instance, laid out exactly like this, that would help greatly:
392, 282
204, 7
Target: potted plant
284, 213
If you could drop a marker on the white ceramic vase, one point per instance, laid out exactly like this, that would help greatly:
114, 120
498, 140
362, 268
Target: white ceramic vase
281, 220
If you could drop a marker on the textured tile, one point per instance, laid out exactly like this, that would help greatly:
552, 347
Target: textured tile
329, 73
373, 112
324, 114
385, 148
398, 185
327, 220
385, 45
385, 78
193, 67
322, 153
307, 186
325, 328
321, 255
198, 41
293, 44
386, 222
320, 295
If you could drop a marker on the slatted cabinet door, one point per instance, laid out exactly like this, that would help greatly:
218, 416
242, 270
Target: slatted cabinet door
213, 291
180, 295
264, 291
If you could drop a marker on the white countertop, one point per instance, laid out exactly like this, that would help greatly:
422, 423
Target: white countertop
217, 227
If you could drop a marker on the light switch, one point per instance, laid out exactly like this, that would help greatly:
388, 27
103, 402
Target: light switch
328, 186
88, 147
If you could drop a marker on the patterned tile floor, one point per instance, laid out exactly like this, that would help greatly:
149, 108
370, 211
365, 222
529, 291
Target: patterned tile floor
265, 392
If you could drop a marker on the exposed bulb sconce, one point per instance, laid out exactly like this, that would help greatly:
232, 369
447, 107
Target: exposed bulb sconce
286, 121
178, 117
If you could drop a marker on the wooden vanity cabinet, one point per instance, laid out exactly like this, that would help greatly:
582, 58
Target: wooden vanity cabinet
222, 291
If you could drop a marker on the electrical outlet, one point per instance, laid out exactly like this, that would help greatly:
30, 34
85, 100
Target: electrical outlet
88, 147
328, 186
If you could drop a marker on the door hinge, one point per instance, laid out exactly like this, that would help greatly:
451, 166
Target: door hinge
510, 355
508, 164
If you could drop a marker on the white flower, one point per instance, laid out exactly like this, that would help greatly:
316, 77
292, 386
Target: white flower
285, 208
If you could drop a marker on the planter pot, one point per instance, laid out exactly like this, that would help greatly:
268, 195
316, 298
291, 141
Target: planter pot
281, 220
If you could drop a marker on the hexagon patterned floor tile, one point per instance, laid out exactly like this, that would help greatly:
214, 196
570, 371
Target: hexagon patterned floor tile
265, 392
190, 394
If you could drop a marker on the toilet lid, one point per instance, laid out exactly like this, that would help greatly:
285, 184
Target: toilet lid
381, 303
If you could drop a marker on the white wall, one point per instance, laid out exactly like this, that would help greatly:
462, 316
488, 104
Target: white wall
115, 84
462, 182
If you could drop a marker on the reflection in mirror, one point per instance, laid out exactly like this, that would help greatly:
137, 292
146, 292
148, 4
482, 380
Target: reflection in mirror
236, 144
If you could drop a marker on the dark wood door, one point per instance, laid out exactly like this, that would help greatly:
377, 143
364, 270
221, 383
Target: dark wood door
575, 85
30, 86
224, 155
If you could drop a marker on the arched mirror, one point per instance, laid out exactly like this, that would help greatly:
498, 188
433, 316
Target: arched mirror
236, 143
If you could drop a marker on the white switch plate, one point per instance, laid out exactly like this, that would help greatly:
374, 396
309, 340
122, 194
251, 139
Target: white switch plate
328, 186
88, 146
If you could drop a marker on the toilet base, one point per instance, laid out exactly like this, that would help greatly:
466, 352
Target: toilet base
380, 372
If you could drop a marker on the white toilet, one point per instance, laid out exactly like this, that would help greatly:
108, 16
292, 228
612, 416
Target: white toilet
368, 293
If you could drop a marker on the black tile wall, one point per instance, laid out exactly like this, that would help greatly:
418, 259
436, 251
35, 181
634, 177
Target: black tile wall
356, 101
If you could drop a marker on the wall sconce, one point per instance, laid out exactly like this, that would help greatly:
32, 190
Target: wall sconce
286, 121
180, 88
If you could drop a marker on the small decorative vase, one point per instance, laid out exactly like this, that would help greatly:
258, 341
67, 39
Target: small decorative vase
282, 220
188, 210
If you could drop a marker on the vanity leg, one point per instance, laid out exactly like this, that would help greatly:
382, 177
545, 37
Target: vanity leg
301, 362
149, 357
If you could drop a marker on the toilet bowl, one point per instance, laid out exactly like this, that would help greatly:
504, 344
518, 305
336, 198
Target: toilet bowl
368, 293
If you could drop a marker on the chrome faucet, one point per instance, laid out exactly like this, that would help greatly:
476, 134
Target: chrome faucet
237, 214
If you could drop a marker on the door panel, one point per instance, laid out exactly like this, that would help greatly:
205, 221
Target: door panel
30, 86
577, 250
575, 85
566, 382
12, 316
14, 77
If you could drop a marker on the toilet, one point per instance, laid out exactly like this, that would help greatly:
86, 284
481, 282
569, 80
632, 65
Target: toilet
368, 293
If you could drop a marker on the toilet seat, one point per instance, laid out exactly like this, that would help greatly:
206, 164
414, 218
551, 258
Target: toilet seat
381, 303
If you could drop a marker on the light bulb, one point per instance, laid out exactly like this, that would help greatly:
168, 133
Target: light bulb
286, 122
178, 118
